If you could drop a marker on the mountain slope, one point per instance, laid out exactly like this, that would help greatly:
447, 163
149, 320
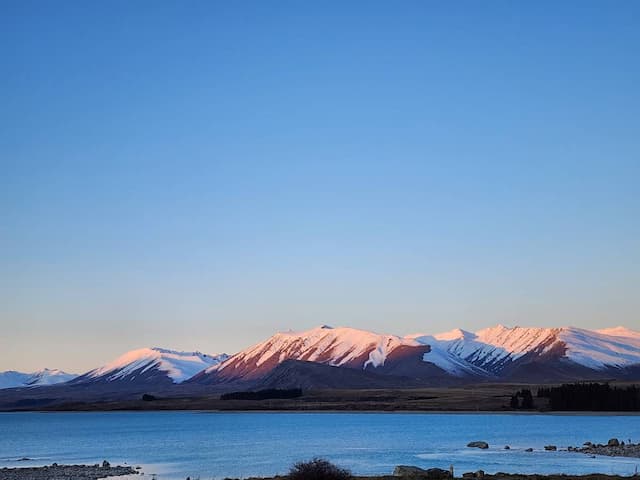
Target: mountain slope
152, 366
319, 376
497, 353
338, 347
560, 353
13, 379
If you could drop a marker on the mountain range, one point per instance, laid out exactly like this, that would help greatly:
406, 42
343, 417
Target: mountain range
344, 358
13, 379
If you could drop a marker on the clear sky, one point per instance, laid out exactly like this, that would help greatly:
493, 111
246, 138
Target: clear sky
199, 175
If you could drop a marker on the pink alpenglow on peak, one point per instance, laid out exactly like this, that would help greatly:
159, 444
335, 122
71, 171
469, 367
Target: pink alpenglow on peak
178, 366
340, 346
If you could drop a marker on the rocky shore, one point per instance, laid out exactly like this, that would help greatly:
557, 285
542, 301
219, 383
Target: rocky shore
613, 448
497, 476
65, 472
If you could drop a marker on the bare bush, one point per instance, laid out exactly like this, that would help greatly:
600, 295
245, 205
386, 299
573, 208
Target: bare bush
318, 469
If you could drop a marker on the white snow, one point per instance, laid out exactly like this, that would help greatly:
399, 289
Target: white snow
458, 352
619, 331
598, 350
332, 346
492, 347
12, 379
179, 366
440, 355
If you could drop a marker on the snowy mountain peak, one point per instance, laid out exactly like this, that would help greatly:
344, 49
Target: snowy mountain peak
178, 366
46, 376
496, 348
455, 334
619, 331
341, 346
516, 340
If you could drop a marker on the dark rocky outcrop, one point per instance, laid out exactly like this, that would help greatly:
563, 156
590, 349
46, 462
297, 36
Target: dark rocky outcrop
407, 471
482, 445
613, 448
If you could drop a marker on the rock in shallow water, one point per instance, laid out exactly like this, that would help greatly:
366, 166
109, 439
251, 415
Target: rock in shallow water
482, 445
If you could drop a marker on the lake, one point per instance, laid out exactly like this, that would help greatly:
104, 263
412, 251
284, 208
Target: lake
175, 445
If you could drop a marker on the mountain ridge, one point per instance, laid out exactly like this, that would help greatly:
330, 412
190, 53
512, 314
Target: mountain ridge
493, 354
46, 376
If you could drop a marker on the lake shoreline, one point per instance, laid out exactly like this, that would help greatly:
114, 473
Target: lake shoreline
66, 472
591, 413
95, 472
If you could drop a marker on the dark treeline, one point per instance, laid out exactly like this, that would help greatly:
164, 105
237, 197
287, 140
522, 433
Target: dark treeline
522, 399
263, 394
592, 397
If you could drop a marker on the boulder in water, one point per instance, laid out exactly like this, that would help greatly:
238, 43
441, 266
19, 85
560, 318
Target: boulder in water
482, 445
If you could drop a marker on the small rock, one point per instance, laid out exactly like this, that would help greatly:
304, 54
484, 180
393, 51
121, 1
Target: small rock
507, 447
480, 474
613, 442
106, 464
529, 450
550, 448
408, 471
482, 445
416, 472
587, 444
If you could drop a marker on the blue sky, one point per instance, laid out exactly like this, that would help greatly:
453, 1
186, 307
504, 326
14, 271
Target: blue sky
200, 175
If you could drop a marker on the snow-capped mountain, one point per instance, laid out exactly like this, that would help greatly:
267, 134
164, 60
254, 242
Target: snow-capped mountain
503, 352
339, 347
152, 366
496, 353
13, 379
326, 357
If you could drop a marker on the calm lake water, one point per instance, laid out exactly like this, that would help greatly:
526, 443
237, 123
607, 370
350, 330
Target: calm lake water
175, 445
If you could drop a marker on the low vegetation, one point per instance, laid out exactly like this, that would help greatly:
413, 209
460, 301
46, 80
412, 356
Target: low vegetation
318, 469
271, 393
